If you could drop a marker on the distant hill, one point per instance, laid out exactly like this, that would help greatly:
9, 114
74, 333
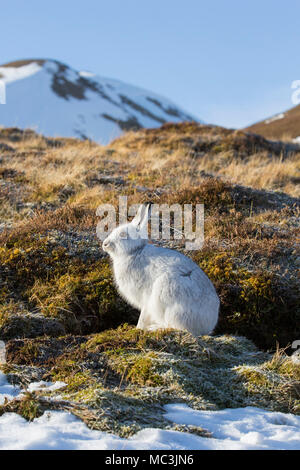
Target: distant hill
280, 126
57, 100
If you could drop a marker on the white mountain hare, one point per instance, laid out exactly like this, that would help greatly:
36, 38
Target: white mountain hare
169, 289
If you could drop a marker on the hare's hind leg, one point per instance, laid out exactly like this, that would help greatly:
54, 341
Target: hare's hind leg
175, 317
193, 320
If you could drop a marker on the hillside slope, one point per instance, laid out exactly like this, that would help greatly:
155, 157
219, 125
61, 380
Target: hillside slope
57, 100
62, 319
56, 279
284, 125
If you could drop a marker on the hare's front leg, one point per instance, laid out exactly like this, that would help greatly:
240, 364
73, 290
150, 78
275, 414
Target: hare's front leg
144, 320
152, 316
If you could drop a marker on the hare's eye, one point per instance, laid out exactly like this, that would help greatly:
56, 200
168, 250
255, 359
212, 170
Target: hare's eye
123, 235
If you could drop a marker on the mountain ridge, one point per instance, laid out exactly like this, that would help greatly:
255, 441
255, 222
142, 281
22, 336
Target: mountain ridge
58, 100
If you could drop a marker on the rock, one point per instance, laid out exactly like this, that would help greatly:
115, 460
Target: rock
30, 326
105, 179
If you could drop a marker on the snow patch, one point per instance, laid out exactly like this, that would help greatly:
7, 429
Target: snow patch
7, 391
85, 73
275, 118
46, 386
244, 428
241, 428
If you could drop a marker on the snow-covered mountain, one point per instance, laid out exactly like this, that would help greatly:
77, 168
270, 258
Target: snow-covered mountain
56, 100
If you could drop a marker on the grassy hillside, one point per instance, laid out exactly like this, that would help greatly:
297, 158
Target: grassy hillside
57, 298
286, 126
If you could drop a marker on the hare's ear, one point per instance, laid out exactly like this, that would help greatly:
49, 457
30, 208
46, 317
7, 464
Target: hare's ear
141, 217
144, 220
140, 221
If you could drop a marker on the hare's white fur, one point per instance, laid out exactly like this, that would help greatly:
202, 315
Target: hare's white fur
169, 289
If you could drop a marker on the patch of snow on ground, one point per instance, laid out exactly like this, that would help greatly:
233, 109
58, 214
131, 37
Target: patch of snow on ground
62, 430
241, 428
6, 390
45, 386
245, 428
274, 118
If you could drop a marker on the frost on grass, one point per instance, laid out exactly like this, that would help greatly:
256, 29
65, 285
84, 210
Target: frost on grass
119, 380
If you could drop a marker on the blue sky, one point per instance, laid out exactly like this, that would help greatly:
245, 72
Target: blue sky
228, 62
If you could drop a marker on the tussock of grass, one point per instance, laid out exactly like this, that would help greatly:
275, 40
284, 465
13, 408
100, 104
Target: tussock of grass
117, 380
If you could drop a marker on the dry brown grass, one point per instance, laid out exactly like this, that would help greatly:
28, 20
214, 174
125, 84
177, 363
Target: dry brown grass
173, 157
259, 172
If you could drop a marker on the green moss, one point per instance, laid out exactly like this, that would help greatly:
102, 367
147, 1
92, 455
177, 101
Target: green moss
83, 299
77, 294
136, 369
283, 366
254, 378
115, 341
258, 304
